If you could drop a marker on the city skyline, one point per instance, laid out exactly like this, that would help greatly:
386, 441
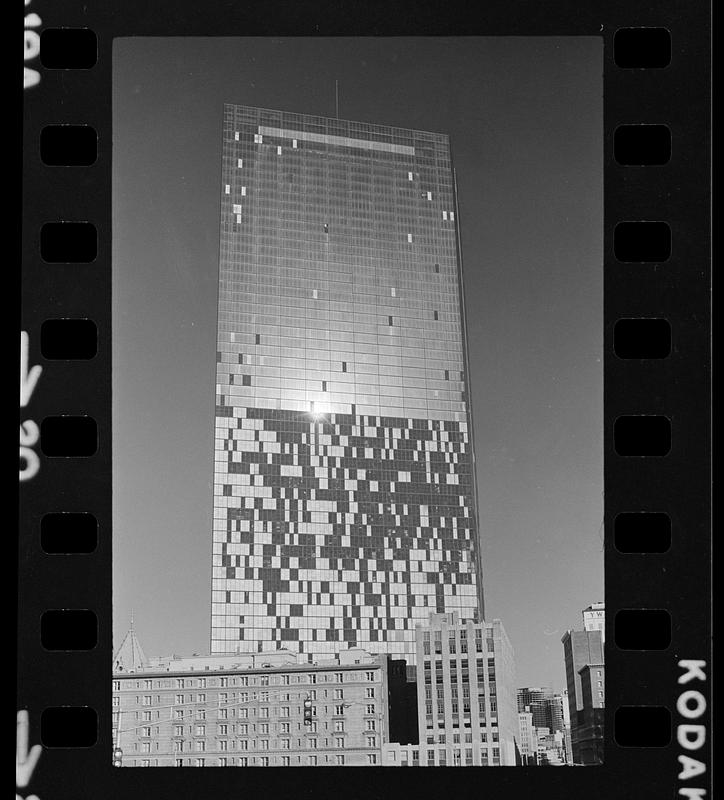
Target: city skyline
532, 516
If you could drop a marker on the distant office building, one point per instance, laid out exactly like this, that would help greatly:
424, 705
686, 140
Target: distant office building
580, 648
344, 482
467, 711
594, 619
527, 739
551, 748
590, 728
544, 704
565, 709
248, 710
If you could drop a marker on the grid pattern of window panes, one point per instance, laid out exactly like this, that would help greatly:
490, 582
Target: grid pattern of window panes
344, 485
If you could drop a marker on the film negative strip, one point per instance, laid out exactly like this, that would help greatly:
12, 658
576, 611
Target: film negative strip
84, 696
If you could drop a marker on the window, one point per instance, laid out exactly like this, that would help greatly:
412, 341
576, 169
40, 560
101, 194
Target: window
239, 163
279, 150
147, 699
312, 761
145, 731
444, 215
370, 691
371, 741
339, 741
371, 725
370, 709
178, 730
409, 176
227, 189
344, 366
116, 701
223, 745
435, 315
339, 694
409, 237
389, 321
339, 725
285, 743
223, 730
371, 758
286, 761
339, 760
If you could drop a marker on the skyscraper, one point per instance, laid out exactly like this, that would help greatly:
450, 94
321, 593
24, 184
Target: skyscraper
344, 483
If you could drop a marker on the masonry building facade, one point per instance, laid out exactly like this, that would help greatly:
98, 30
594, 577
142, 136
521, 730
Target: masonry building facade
467, 711
248, 710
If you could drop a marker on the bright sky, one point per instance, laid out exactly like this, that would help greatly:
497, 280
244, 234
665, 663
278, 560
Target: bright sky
525, 120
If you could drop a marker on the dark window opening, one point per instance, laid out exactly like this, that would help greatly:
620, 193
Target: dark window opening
389, 320
447, 374
437, 268
246, 380
258, 338
324, 386
436, 315
344, 366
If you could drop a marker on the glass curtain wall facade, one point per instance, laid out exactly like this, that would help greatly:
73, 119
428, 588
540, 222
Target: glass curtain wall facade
344, 486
